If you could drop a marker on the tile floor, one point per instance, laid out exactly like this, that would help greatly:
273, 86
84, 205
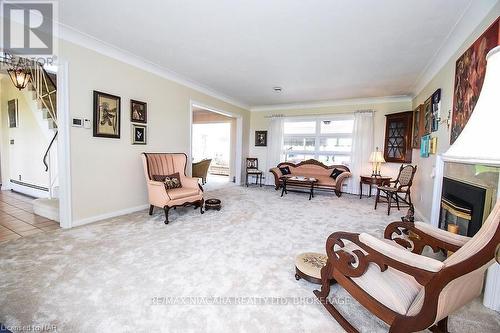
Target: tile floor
17, 219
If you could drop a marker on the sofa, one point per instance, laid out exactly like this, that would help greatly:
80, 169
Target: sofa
314, 169
162, 164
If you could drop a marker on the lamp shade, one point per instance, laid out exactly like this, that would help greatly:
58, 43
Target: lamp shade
478, 141
376, 157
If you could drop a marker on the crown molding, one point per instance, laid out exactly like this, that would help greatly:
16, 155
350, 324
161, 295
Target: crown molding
90, 42
350, 101
471, 18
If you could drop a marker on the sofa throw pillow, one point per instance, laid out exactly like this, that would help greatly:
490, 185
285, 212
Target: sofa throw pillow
285, 170
335, 173
170, 181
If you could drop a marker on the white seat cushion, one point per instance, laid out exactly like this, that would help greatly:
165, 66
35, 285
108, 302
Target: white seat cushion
394, 289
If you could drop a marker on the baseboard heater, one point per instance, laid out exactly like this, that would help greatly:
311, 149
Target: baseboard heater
36, 187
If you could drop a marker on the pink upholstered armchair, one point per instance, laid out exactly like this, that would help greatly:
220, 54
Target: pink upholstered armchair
164, 164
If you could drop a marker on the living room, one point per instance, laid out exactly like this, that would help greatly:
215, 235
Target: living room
328, 101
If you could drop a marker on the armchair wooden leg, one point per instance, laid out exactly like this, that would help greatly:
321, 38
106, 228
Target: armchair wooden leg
166, 209
151, 207
201, 206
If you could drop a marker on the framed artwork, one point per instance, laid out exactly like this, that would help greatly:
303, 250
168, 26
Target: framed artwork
427, 123
436, 110
13, 113
106, 115
470, 69
417, 128
433, 145
139, 134
138, 112
260, 138
425, 145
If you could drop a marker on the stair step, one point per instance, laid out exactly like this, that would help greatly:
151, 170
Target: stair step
48, 208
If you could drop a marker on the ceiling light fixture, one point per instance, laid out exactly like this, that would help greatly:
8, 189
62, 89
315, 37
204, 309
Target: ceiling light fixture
278, 90
19, 75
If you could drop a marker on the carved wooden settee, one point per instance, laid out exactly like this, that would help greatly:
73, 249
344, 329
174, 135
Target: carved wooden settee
315, 169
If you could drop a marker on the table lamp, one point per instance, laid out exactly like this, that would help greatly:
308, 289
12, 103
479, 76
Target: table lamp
376, 159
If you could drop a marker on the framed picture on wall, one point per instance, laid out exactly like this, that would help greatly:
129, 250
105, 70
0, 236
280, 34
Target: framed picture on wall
425, 146
260, 138
12, 113
417, 129
139, 134
470, 69
138, 112
106, 115
427, 125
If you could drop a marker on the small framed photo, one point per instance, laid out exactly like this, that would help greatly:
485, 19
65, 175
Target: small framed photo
433, 145
425, 146
13, 113
139, 134
138, 112
260, 138
106, 115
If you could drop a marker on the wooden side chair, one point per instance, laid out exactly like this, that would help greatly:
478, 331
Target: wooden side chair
401, 185
406, 290
253, 170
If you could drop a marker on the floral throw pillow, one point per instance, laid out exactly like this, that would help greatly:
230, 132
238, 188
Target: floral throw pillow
170, 181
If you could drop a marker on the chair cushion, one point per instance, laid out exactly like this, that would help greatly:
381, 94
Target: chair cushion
182, 192
253, 171
392, 288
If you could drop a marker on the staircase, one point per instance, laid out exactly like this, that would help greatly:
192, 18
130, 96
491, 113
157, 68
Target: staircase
43, 87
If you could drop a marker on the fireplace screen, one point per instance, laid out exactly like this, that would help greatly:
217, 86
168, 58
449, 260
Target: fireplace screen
455, 215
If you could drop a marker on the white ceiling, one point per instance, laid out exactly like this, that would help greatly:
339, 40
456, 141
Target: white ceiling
316, 50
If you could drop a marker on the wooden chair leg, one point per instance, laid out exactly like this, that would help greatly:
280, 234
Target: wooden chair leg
389, 198
397, 200
151, 207
377, 197
166, 209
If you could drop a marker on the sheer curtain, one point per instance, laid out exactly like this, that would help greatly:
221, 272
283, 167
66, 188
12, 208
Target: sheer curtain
362, 146
274, 147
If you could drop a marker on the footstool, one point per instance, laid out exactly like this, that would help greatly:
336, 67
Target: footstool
212, 204
308, 266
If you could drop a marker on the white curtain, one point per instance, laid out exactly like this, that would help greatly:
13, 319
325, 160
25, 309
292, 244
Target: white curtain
362, 146
274, 147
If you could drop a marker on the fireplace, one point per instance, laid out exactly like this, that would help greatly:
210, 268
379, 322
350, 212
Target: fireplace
464, 205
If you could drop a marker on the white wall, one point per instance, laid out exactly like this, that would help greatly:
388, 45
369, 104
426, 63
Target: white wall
24, 158
444, 79
106, 174
259, 122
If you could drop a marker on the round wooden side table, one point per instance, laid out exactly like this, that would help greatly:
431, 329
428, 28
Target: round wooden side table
372, 180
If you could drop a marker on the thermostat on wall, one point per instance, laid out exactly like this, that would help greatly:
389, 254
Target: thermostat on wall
77, 122
86, 123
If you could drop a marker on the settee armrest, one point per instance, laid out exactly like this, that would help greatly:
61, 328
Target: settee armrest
340, 180
442, 235
277, 174
415, 236
352, 260
400, 255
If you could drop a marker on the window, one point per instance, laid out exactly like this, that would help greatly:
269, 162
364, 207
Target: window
328, 140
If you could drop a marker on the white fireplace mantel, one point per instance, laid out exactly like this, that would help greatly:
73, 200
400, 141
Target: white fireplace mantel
492, 286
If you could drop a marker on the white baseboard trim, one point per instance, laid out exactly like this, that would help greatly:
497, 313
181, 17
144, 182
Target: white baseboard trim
419, 216
33, 192
104, 216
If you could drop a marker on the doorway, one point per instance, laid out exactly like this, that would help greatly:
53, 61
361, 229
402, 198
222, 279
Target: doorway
215, 147
29, 159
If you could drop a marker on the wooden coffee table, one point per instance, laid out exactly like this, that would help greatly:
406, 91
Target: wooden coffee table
298, 183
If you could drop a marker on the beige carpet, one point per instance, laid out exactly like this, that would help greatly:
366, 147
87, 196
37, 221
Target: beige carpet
110, 276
